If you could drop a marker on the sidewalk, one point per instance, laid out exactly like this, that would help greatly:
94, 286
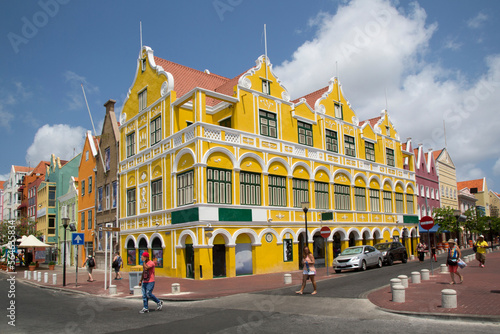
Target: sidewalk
478, 296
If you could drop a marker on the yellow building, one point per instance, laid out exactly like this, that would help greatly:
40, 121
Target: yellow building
213, 173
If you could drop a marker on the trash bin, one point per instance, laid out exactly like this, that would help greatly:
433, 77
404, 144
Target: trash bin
134, 277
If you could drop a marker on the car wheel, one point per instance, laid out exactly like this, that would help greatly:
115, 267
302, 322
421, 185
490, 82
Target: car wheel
338, 271
405, 258
379, 263
363, 266
390, 260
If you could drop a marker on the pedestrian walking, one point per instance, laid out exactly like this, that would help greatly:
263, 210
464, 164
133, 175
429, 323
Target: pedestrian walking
148, 283
481, 246
454, 254
433, 252
117, 265
89, 264
309, 271
421, 247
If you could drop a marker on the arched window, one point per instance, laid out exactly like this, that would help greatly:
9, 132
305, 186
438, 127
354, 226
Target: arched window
157, 252
143, 247
131, 254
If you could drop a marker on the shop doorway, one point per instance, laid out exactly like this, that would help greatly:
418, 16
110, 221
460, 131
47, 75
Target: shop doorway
219, 260
189, 261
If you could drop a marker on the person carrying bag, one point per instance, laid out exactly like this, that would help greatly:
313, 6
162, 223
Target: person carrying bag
454, 254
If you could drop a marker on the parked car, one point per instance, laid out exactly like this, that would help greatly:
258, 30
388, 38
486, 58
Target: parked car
358, 257
392, 251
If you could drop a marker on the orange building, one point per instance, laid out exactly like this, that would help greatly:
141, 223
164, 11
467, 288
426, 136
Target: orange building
86, 194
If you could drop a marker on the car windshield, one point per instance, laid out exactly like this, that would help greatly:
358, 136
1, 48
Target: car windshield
351, 251
382, 246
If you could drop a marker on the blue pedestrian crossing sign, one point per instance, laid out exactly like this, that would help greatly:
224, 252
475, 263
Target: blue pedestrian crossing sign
77, 239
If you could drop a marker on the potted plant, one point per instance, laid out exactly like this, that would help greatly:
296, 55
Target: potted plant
52, 265
32, 266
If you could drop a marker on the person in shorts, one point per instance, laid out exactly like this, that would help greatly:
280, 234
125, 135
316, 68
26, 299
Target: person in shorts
89, 264
117, 265
481, 250
454, 254
309, 271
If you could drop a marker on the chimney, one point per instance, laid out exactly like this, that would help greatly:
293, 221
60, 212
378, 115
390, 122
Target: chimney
110, 106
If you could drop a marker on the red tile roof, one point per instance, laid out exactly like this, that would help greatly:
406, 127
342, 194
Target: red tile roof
1, 184
436, 154
372, 121
471, 184
311, 98
186, 78
41, 168
22, 169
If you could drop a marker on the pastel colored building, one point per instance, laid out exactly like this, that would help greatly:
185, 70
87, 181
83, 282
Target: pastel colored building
12, 197
494, 204
87, 195
68, 208
447, 175
479, 189
213, 172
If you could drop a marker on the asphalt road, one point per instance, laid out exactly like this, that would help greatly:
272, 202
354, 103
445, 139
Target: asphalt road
41, 310
357, 284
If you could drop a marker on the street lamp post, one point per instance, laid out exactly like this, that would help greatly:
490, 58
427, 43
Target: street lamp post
65, 225
305, 208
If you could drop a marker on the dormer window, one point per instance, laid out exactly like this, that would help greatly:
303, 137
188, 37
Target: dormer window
338, 110
266, 87
143, 64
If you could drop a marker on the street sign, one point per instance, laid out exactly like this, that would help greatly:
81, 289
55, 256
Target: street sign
110, 229
325, 231
427, 222
77, 239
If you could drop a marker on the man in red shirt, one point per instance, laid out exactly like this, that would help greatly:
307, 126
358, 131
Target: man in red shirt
148, 283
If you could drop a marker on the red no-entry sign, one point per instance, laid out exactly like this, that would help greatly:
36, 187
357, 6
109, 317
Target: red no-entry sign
325, 231
427, 222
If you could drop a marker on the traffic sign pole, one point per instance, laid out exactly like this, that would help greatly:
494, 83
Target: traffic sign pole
325, 233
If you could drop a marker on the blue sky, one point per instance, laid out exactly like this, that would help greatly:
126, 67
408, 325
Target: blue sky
434, 60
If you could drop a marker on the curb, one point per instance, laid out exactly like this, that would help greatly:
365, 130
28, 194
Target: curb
444, 316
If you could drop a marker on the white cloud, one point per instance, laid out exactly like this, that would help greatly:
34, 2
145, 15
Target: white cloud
477, 21
378, 48
496, 168
61, 140
4, 177
9, 97
452, 44
74, 95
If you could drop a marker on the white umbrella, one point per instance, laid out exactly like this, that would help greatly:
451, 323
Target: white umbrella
32, 241
22, 238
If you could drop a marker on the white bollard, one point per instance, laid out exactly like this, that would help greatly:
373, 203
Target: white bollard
54, 279
45, 277
288, 278
444, 269
112, 289
29, 275
415, 277
404, 280
394, 281
34, 275
176, 288
26, 273
412, 257
398, 293
448, 298
137, 290
425, 274
39, 279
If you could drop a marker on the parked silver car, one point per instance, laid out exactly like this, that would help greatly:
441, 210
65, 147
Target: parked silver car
358, 257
